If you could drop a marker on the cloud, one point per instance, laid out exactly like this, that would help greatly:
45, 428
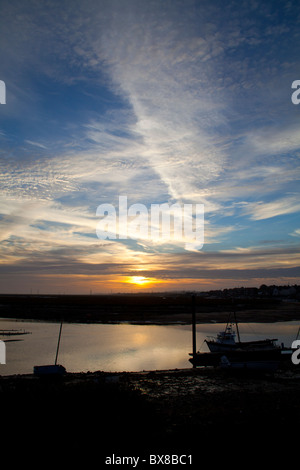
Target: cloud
166, 64
156, 71
296, 233
171, 77
275, 141
266, 210
93, 260
37, 144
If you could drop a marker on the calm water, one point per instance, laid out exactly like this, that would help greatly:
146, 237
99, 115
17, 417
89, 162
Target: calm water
119, 347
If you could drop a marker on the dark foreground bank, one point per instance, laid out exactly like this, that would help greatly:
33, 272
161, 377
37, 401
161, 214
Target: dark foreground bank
205, 413
141, 308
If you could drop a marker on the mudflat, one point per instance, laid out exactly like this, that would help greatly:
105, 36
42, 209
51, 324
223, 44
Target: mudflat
202, 413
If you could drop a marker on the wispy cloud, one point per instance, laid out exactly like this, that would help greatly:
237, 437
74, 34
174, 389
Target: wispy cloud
274, 141
36, 144
265, 210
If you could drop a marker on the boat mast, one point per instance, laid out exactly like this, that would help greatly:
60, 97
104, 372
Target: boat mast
58, 342
237, 328
229, 316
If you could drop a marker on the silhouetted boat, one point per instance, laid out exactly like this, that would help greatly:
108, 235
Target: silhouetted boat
14, 332
51, 369
226, 352
226, 341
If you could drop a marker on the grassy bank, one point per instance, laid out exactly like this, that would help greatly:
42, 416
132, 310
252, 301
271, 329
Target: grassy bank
140, 308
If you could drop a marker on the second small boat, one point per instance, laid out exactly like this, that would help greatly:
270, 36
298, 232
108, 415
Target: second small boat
51, 370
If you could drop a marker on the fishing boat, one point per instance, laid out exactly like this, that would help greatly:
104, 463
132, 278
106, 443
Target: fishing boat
51, 369
226, 341
227, 353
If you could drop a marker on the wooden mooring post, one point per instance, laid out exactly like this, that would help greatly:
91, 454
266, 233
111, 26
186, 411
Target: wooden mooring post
194, 328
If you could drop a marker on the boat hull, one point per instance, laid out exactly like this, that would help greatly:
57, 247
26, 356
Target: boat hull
239, 359
49, 370
205, 359
266, 366
266, 344
265, 360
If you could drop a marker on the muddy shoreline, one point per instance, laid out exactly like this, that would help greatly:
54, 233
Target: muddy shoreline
187, 411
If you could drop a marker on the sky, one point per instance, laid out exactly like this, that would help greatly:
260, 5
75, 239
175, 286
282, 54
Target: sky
184, 102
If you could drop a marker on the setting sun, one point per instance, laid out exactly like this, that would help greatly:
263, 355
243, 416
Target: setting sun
139, 280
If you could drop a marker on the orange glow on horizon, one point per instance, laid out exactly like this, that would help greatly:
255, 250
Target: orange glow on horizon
84, 284
139, 281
